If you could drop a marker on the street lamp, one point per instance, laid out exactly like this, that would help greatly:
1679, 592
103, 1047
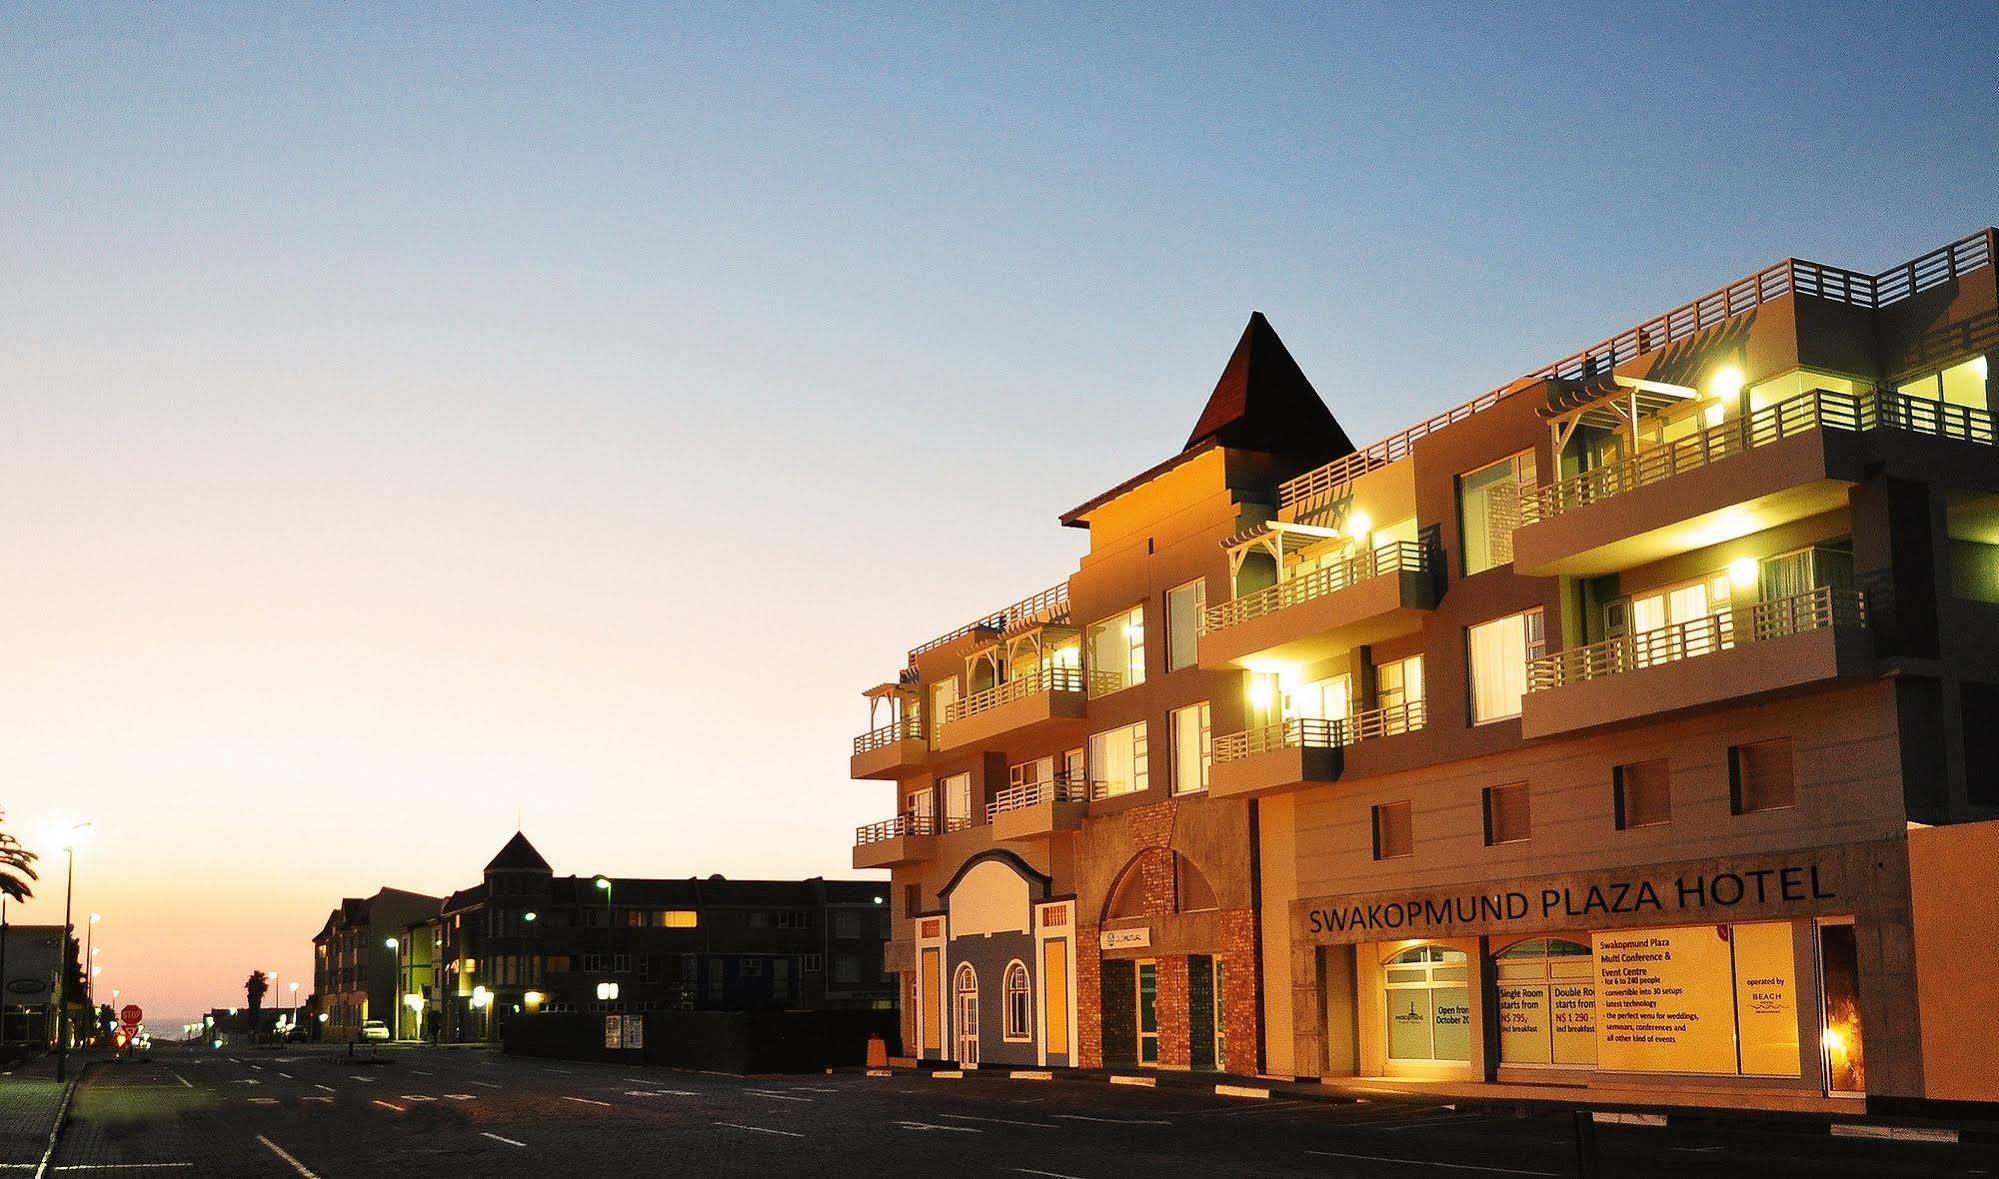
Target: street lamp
90, 983
69, 839
294, 987
397, 946
610, 930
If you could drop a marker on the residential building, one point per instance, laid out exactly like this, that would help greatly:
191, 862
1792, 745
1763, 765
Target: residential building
1628, 725
353, 965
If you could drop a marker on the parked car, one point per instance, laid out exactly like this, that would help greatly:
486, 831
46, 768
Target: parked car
374, 1029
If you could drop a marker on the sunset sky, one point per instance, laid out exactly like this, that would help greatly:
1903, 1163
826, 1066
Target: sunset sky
409, 425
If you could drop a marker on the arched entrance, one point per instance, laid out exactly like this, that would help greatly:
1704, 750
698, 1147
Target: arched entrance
965, 1007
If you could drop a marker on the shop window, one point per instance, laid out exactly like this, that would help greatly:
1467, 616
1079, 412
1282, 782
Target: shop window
1193, 744
1760, 776
1429, 1004
1489, 510
1547, 1002
1391, 830
1147, 979
1499, 652
1019, 1004
1643, 794
1184, 604
1506, 814
1839, 1013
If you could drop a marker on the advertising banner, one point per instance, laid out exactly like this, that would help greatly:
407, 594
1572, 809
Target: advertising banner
1766, 999
1666, 1000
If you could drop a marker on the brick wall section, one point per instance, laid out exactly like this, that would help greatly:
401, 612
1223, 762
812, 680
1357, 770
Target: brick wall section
1172, 1009
1089, 999
1238, 983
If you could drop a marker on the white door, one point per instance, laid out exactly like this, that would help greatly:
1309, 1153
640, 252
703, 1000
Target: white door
966, 988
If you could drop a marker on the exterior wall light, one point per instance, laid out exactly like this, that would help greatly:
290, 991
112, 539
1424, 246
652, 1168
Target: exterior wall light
1742, 572
1725, 383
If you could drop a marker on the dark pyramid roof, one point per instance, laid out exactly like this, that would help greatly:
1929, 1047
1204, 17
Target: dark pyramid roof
1263, 402
518, 856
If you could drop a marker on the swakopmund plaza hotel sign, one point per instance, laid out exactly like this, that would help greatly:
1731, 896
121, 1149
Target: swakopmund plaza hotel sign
1804, 883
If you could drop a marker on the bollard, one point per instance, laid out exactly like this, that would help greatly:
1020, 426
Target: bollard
877, 1052
1586, 1164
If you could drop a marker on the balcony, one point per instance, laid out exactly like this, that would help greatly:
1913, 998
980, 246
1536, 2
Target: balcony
894, 750
1707, 488
1037, 810
904, 839
1373, 595
1302, 751
1806, 638
1029, 707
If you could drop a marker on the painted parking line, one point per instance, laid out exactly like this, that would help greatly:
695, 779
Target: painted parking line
387, 1104
774, 1096
419, 1072
1114, 1121
588, 1101
761, 1129
304, 1171
263, 1101
487, 1084
286, 1076
463, 1096
1048, 1174
317, 1097
417, 1097
1000, 1121
1376, 1158
359, 1077
114, 1166
497, 1138
328, 1088
183, 1080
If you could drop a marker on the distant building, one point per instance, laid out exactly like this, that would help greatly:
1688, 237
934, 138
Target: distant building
353, 968
525, 940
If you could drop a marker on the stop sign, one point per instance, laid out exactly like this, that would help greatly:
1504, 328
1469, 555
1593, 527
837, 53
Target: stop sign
131, 1015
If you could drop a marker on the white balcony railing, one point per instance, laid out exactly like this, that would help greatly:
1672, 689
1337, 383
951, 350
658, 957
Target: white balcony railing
1396, 557
1045, 679
1031, 794
1814, 609
894, 733
1819, 409
894, 828
1313, 733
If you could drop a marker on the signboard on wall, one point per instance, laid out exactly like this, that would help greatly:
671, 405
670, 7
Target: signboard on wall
614, 1031
1766, 999
1125, 939
635, 1031
1666, 1000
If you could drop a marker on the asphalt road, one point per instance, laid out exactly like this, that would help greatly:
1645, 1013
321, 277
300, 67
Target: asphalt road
314, 1113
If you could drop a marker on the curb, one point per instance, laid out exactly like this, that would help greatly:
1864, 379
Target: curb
62, 1118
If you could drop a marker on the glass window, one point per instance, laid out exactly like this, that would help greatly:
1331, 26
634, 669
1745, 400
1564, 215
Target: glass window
1030, 773
1148, 1012
1192, 748
1644, 795
1429, 1004
957, 802
1118, 761
942, 696
1760, 776
1506, 814
1019, 1006
1392, 836
1489, 510
1327, 699
1547, 1002
1499, 653
1117, 652
1183, 615
923, 810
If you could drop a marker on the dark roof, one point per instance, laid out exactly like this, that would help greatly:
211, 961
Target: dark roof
464, 898
518, 856
1261, 402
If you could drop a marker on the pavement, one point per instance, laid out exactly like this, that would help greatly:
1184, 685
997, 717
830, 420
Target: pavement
30, 1097
313, 1112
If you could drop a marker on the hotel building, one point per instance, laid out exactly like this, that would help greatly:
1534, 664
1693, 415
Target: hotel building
1631, 725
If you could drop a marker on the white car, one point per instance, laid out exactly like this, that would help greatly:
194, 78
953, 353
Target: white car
374, 1029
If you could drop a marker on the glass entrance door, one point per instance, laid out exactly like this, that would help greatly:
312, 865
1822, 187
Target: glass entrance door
1148, 1013
1839, 1009
966, 987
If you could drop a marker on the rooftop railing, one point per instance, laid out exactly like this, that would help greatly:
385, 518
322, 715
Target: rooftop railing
906, 729
894, 828
1313, 733
1939, 266
1815, 609
1395, 557
1049, 605
1062, 788
1033, 683
1818, 409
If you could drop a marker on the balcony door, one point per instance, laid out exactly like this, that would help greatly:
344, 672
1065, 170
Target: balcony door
1682, 621
1328, 699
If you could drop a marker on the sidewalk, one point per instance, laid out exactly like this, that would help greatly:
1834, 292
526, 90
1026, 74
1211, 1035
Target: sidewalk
29, 1100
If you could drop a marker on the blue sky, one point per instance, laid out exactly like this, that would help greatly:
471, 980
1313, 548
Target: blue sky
415, 418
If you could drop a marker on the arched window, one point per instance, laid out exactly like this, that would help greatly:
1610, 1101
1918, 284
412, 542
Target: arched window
1157, 882
1429, 1004
1019, 1004
1547, 1002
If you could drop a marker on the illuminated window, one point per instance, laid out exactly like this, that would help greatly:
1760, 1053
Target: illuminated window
1184, 604
1500, 651
1117, 652
1429, 1004
1019, 1005
957, 802
678, 918
1192, 747
1118, 761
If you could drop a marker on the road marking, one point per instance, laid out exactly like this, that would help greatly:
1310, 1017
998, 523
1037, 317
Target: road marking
1114, 1121
1147, 1082
417, 1097
114, 1166
463, 1096
1240, 1091
1049, 1174
774, 1096
286, 1076
1376, 1158
497, 1138
588, 1101
387, 1104
806, 1088
488, 1084
419, 1072
1030, 1074
313, 1097
1893, 1133
359, 1077
935, 1126
1000, 1121
304, 1171
328, 1088
258, 1067
761, 1129
183, 1080
947, 1074
263, 1101
246, 1081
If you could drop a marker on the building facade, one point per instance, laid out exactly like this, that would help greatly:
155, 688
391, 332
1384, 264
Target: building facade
353, 965
1620, 726
524, 940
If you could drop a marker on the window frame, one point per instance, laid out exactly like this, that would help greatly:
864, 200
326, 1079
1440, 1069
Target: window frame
1527, 806
1017, 1026
1375, 813
1205, 731
1533, 646
1738, 801
1175, 659
1620, 793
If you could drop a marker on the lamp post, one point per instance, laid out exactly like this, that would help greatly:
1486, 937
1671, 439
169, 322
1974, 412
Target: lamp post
294, 1019
395, 1004
70, 839
90, 979
610, 931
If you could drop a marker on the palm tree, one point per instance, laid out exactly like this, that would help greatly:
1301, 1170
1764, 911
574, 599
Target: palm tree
17, 867
254, 988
